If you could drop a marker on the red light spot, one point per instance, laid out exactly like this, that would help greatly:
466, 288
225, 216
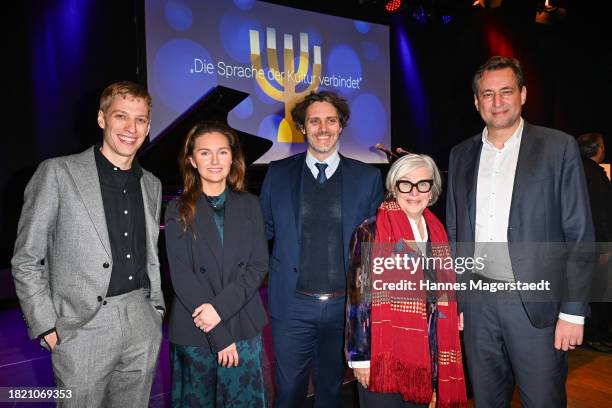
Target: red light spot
393, 5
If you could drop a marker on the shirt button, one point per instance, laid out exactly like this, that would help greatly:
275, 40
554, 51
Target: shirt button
123, 191
114, 168
128, 256
125, 211
99, 298
125, 234
129, 277
105, 265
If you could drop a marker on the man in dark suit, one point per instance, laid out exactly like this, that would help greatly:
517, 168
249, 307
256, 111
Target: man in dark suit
592, 149
514, 183
311, 204
85, 264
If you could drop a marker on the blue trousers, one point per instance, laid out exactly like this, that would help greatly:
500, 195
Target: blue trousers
312, 337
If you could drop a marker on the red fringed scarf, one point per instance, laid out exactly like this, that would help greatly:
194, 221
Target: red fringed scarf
400, 357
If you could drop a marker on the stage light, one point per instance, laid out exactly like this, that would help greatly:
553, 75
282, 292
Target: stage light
420, 15
392, 6
446, 19
549, 13
487, 3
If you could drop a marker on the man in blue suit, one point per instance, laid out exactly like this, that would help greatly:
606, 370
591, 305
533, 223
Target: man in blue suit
311, 204
515, 183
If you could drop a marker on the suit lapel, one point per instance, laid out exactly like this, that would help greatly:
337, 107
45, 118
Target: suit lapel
85, 175
150, 206
206, 224
349, 188
295, 173
471, 180
528, 157
232, 226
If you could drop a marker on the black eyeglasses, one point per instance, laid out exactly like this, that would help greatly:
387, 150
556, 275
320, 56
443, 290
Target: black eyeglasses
422, 186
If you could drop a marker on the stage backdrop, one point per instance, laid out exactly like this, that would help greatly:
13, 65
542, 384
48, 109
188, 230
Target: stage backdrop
276, 54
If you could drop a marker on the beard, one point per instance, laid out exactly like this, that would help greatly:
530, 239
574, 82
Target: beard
322, 149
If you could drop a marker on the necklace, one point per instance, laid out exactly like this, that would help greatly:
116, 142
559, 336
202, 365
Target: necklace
216, 202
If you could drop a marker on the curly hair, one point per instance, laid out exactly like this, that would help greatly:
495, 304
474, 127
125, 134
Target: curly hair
298, 113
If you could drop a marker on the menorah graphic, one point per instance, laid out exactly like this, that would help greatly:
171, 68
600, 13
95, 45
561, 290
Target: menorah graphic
289, 79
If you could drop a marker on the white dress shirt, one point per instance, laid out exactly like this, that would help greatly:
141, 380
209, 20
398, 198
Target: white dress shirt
333, 161
496, 171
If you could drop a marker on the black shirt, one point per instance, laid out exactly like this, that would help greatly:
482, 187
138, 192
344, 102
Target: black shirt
125, 221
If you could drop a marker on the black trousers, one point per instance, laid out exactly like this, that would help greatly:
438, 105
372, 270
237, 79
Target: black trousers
368, 399
598, 325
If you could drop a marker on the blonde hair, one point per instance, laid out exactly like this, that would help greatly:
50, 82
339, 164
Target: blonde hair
124, 89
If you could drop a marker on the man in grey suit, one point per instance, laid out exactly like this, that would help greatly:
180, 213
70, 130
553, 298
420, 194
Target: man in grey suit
85, 263
518, 186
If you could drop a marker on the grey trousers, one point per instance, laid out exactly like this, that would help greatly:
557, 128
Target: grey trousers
110, 361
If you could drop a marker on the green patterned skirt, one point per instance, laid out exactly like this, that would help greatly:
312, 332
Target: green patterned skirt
199, 381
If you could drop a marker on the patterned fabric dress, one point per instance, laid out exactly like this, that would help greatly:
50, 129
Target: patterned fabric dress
199, 381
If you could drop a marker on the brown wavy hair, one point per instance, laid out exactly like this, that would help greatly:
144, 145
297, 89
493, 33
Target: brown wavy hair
298, 113
192, 185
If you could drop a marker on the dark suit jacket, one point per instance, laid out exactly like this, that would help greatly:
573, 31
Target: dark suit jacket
549, 204
362, 192
600, 195
228, 276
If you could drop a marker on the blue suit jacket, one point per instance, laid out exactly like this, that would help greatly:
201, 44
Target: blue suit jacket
549, 204
362, 192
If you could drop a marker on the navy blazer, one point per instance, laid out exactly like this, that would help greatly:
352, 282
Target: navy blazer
549, 204
227, 276
362, 192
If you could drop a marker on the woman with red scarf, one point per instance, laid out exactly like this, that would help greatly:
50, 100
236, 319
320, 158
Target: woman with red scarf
402, 327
